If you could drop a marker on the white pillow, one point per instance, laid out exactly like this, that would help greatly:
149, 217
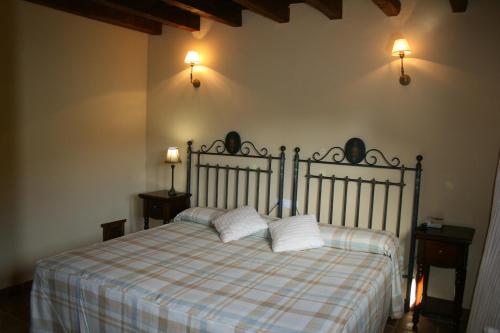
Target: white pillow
239, 223
295, 233
201, 215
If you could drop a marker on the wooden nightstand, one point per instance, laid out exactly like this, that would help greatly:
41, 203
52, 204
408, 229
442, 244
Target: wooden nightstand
447, 247
159, 205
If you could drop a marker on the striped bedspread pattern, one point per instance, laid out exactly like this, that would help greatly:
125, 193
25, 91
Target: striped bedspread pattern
181, 278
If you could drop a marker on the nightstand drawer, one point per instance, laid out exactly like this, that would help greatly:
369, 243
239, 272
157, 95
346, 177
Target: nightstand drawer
155, 209
441, 254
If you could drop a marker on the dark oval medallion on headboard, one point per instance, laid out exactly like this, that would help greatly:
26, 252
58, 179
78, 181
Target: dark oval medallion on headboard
355, 150
233, 142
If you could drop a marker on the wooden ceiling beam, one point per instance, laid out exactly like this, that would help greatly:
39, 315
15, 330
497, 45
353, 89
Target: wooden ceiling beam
223, 11
389, 7
459, 6
276, 10
103, 13
157, 10
331, 8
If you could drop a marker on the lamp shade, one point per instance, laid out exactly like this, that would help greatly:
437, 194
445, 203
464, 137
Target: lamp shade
192, 58
401, 46
173, 155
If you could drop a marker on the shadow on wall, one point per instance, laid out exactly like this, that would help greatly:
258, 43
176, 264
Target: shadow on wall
214, 86
135, 209
9, 169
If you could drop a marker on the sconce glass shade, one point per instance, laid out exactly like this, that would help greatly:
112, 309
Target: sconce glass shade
401, 47
192, 58
173, 155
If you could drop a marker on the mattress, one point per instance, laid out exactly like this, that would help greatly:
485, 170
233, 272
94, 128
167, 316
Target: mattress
181, 278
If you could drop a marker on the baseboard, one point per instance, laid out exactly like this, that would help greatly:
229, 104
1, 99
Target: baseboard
16, 289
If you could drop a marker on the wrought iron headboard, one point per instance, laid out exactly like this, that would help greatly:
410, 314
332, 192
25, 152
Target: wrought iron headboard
355, 154
232, 146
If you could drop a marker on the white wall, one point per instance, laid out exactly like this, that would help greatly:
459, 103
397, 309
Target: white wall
315, 82
73, 132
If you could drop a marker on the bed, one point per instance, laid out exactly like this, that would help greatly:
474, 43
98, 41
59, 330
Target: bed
181, 278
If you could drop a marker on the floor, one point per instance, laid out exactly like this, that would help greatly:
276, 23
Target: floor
425, 324
14, 316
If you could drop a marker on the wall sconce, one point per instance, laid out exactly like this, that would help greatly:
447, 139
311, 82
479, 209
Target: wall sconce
192, 58
401, 48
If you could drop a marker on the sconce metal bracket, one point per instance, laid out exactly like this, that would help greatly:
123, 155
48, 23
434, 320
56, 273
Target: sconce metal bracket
404, 79
195, 82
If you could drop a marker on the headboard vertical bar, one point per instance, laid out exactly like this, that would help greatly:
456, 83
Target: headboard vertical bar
344, 207
308, 180
295, 181
372, 198
206, 184
217, 186
188, 167
386, 200
236, 186
257, 192
247, 180
318, 204
268, 196
358, 198
281, 184
197, 179
400, 203
414, 220
226, 185
332, 195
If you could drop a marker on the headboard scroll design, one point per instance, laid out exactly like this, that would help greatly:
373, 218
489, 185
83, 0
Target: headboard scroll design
355, 153
232, 145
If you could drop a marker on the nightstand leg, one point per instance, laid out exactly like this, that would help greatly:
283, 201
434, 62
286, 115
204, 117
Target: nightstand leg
146, 222
418, 296
460, 274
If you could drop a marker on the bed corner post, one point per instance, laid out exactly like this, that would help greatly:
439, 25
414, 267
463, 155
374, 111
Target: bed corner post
295, 181
188, 167
414, 220
281, 181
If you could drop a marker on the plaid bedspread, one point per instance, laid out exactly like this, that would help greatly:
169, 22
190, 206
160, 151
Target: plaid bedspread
181, 278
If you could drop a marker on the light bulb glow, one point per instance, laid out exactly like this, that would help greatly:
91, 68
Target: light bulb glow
172, 155
192, 58
401, 47
412, 292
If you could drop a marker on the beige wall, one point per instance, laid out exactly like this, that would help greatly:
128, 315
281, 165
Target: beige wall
314, 83
72, 129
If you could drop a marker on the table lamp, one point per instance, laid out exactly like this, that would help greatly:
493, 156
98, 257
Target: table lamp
172, 158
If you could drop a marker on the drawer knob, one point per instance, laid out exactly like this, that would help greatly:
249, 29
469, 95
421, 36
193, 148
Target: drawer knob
440, 251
